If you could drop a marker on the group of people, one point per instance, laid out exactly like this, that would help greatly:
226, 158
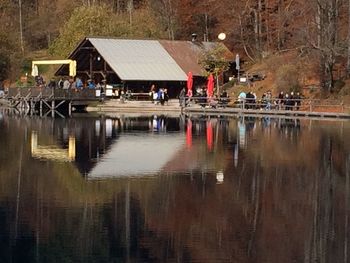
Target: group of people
66, 83
76, 84
201, 98
159, 96
283, 101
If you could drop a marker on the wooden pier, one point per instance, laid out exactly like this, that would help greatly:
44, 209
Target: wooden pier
309, 108
43, 101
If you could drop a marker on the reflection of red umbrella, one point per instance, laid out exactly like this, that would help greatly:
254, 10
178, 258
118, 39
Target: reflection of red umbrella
189, 134
210, 86
189, 84
209, 136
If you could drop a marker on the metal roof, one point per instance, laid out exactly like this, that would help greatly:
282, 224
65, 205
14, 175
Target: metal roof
139, 59
185, 55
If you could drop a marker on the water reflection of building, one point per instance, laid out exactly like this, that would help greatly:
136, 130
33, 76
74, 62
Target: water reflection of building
153, 144
137, 155
52, 152
298, 205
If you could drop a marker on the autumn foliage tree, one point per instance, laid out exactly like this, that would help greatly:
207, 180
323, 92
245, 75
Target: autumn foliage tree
102, 21
316, 29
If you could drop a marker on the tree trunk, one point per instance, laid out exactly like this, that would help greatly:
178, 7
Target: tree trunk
21, 26
348, 63
130, 9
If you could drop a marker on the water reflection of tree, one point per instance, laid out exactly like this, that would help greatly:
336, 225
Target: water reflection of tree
284, 194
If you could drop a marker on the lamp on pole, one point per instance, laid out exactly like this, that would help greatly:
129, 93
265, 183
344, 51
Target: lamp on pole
237, 66
221, 37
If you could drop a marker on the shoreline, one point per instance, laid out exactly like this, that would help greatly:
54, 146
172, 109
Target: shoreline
173, 107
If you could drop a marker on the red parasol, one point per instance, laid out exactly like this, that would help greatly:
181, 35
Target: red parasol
189, 84
189, 134
209, 136
210, 86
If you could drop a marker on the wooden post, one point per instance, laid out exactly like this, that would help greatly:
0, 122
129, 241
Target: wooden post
53, 109
90, 67
41, 107
70, 108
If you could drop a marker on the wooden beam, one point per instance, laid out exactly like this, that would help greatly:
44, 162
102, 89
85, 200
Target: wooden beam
88, 48
59, 104
91, 71
95, 71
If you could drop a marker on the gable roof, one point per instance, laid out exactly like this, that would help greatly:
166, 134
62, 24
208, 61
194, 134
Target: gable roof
147, 60
139, 59
187, 54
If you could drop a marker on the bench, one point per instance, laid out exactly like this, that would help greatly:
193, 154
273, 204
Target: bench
140, 96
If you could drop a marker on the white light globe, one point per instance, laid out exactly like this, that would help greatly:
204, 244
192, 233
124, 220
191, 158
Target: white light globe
222, 36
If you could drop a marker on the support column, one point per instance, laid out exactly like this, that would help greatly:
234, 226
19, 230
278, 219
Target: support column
41, 108
70, 108
90, 67
53, 109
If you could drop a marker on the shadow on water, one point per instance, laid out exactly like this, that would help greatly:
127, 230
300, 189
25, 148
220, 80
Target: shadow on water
133, 188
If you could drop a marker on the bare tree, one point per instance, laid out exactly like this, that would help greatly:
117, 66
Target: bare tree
21, 26
348, 63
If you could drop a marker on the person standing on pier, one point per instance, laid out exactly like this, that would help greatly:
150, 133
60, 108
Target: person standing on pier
292, 100
182, 97
151, 92
66, 84
280, 100
166, 96
297, 101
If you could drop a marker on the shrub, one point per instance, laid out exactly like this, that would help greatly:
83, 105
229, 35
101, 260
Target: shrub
287, 78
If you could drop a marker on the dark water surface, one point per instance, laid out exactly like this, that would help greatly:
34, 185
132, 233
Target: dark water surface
173, 189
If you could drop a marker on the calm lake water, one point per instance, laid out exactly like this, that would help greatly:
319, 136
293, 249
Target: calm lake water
130, 188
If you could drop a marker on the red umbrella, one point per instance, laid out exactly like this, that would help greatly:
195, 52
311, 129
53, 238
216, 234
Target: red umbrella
189, 84
210, 86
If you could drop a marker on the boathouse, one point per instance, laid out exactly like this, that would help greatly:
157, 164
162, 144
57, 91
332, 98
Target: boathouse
137, 64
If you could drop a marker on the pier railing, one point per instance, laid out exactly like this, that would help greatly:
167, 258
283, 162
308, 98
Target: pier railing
304, 104
49, 93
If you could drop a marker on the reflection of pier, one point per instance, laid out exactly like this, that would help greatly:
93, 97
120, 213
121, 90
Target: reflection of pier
47, 100
52, 152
